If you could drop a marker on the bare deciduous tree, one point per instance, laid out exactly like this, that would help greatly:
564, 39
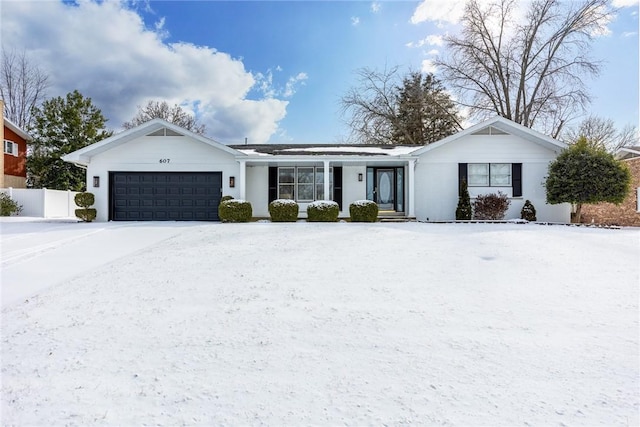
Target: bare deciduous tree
388, 108
529, 70
162, 110
371, 106
22, 87
601, 133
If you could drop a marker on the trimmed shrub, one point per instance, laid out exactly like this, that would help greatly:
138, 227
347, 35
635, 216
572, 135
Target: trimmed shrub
225, 198
283, 210
8, 206
463, 210
235, 210
528, 211
323, 211
85, 200
491, 206
363, 211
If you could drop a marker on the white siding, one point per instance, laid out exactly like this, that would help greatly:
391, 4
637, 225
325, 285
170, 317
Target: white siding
144, 155
258, 190
352, 189
437, 176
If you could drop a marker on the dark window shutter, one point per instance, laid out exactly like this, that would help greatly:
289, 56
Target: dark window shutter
462, 175
516, 179
337, 185
273, 183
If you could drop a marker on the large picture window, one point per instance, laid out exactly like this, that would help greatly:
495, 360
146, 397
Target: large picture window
489, 174
303, 183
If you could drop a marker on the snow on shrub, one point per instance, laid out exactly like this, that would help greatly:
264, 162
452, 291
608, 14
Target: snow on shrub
528, 211
8, 206
235, 210
225, 198
363, 211
491, 206
283, 210
323, 211
85, 200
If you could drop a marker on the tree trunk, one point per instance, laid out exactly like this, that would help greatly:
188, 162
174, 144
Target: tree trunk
577, 214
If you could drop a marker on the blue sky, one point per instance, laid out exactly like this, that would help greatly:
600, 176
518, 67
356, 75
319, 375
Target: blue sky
271, 71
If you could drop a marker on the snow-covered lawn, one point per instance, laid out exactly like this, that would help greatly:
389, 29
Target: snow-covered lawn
319, 324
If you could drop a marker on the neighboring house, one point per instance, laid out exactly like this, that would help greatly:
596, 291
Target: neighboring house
159, 171
14, 160
628, 212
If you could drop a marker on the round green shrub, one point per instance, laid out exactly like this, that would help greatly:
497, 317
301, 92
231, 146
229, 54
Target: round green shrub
8, 206
323, 211
283, 210
235, 210
528, 211
225, 198
86, 214
363, 211
84, 200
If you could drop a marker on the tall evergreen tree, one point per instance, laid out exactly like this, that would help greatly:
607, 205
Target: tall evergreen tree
425, 111
61, 126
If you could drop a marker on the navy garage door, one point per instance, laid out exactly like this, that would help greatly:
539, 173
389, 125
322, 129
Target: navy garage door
165, 196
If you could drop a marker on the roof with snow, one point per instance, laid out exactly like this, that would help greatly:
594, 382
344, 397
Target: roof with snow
325, 149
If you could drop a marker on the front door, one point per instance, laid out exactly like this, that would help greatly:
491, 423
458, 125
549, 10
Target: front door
385, 189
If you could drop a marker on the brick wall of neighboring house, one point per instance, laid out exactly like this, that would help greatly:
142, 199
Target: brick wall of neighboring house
625, 213
15, 166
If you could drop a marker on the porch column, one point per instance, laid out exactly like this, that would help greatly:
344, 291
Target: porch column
327, 194
411, 188
243, 179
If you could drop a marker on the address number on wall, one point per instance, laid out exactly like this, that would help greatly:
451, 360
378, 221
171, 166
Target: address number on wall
165, 160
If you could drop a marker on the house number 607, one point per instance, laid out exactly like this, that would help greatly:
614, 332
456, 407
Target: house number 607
165, 160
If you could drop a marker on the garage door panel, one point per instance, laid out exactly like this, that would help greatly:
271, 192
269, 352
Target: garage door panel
164, 196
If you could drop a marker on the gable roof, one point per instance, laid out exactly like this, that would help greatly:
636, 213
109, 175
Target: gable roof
15, 128
628, 152
502, 124
83, 156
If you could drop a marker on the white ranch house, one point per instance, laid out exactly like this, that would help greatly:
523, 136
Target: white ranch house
159, 171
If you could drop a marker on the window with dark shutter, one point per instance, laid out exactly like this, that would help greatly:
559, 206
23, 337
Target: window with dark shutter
462, 175
516, 180
337, 185
273, 183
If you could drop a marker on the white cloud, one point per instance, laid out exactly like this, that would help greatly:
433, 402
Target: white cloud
105, 51
629, 33
431, 40
449, 11
433, 52
625, 3
375, 7
355, 21
291, 86
428, 66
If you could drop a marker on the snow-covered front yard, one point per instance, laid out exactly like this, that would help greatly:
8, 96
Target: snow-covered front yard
319, 324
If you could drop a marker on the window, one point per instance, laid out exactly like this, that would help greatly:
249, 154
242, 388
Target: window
489, 174
10, 147
303, 184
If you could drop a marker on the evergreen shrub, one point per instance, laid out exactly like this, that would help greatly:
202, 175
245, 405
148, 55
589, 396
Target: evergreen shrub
528, 211
225, 198
463, 210
363, 211
85, 201
235, 210
323, 211
8, 206
491, 206
283, 210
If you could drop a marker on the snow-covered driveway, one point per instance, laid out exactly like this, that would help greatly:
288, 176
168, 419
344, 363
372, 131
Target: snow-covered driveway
324, 324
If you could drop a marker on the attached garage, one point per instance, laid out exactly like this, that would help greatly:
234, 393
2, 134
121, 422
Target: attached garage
165, 196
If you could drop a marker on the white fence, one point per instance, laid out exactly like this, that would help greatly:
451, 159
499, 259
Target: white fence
44, 203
